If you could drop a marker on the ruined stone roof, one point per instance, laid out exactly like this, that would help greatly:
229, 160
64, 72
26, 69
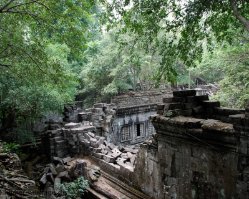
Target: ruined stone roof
140, 98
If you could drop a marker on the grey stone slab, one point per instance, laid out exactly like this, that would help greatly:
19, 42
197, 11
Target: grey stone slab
108, 158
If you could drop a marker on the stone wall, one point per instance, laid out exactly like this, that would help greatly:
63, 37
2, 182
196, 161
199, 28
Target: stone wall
131, 125
195, 155
101, 116
200, 150
127, 125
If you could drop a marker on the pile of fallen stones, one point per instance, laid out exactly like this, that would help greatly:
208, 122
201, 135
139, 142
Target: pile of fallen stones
65, 141
110, 153
79, 138
63, 170
101, 116
14, 183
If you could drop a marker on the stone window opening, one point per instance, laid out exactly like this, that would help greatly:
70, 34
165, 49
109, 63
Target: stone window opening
139, 128
125, 133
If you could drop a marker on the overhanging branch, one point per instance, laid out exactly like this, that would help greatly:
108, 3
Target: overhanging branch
5, 65
6, 5
238, 15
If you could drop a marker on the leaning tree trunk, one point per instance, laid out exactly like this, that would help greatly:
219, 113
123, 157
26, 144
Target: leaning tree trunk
238, 15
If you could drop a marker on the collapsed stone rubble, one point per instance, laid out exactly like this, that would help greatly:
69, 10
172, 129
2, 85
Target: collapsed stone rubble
76, 138
67, 169
14, 183
200, 149
100, 116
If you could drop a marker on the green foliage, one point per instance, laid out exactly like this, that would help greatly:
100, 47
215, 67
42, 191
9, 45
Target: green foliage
115, 64
234, 87
168, 114
228, 66
42, 43
26, 24
74, 189
32, 92
212, 67
10, 147
180, 28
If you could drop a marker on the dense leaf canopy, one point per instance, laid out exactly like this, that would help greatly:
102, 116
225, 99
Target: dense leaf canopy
186, 25
40, 43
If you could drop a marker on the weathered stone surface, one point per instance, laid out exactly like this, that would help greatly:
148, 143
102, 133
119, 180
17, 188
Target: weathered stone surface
63, 175
97, 150
214, 125
80, 168
91, 134
52, 169
86, 143
57, 183
87, 136
57, 160
60, 168
72, 125
120, 161
131, 150
83, 129
50, 177
94, 173
228, 111
66, 160
100, 141
210, 104
201, 98
173, 106
125, 168
186, 122
160, 106
93, 141
198, 110
43, 179
115, 153
111, 146
99, 105
98, 155
132, 160
108, 158
167, 100
184, 93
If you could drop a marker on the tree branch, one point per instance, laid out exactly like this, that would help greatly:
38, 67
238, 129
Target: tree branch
33, 60
21, 4
237, 14
5, 65
6, 5
4, 49
36, 17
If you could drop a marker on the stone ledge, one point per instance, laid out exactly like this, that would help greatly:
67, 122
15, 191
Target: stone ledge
216, 125
214, 132
184, 93
179, 121
228, 111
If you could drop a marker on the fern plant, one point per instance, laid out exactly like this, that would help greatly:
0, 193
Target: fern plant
74, 189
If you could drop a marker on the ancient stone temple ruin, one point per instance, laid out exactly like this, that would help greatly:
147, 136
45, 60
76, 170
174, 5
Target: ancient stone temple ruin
125, 120
198, 149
